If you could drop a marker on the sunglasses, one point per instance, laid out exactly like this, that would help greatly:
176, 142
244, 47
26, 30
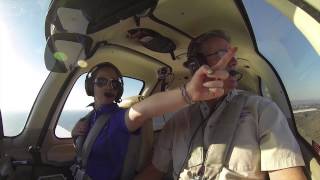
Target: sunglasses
100, 82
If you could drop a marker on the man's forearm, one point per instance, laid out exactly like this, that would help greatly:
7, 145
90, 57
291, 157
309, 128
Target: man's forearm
150, 172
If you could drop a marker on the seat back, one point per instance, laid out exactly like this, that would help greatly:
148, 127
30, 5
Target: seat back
139, 147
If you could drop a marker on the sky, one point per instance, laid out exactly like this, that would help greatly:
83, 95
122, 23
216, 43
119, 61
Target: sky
286, 48
22, 43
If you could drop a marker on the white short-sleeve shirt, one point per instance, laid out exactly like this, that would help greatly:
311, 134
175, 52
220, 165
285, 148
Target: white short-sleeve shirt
262, 142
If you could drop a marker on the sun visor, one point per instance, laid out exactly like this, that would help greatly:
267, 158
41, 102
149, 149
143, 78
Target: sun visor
86, 17
153, 40
72, 20
65, 51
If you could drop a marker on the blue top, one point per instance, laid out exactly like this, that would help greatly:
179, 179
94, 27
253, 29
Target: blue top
110, 147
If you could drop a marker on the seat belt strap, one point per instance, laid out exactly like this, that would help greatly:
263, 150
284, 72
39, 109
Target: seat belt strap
209, 164
91, 137
235, 117
227, 133
79, 140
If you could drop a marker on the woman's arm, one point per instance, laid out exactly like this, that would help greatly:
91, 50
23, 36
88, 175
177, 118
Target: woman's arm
206, 84
150, 172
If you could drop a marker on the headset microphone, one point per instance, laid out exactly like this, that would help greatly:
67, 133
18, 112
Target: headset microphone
236, 74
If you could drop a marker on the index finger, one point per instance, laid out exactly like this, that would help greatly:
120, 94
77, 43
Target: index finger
224, 61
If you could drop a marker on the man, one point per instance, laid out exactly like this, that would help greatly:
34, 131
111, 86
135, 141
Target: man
104, 83
236, 136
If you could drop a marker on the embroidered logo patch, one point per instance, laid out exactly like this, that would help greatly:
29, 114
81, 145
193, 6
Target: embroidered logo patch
244, 113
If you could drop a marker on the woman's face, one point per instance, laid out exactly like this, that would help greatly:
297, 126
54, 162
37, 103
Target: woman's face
105, 86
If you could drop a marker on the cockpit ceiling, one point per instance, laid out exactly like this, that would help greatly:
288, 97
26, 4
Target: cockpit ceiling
191, 17
180, 21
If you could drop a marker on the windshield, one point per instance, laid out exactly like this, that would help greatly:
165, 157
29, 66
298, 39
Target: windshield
294, 58
22, 69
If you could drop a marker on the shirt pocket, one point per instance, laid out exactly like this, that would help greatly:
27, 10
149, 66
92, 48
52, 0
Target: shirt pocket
245, 152
228, 174
245, 159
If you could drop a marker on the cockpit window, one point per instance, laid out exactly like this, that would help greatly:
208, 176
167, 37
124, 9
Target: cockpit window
22, 71
295, 59
77, 103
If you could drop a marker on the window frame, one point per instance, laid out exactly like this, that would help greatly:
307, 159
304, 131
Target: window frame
69, 89
300, 138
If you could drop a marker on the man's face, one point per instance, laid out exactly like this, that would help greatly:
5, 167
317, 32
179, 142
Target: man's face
106, 86
214, 49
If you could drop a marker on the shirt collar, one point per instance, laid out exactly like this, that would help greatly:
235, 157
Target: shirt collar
205, 109
106, 108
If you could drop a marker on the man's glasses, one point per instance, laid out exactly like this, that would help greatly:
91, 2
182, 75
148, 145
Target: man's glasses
220, 53
100, 82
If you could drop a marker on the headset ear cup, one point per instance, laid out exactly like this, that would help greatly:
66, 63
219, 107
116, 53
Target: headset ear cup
118, 98
194, 65
120, 92
201, 59
89, 86
195, 62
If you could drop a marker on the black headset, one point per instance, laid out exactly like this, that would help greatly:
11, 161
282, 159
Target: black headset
91, 75
194, 59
